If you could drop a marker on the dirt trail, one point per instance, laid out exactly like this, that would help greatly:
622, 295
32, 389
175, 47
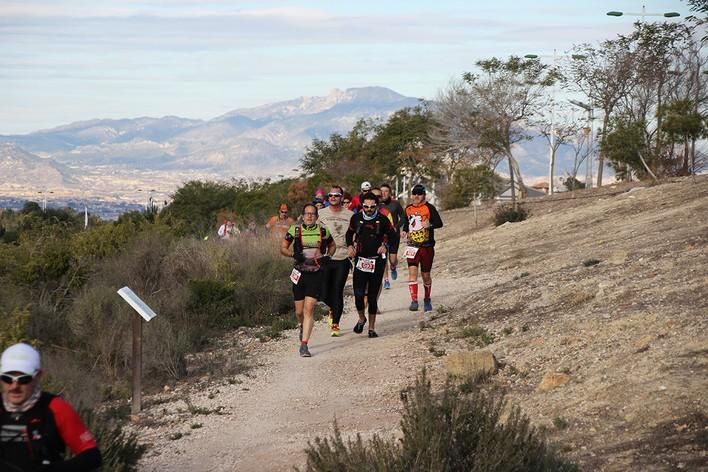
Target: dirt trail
270, 418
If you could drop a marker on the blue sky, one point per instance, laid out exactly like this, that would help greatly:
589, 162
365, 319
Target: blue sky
69, 60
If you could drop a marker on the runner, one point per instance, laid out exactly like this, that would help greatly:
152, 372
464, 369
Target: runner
421, 220
366, 237
385, 212
399, 217
227, 230
355, 203
312, 247
336, 218
36, 427
278, 224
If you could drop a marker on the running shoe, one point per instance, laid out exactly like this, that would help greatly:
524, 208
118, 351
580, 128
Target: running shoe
427, 305
372, 334
335, 332
414, 306
299, 332
387, 285
394, 273
359, 327
304, 351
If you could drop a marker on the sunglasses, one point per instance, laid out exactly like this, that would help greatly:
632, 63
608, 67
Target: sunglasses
23, 379
334, 195
368, 207
283, 211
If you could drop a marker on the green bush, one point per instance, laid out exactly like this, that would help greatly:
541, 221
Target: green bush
120, 450
441, 432
506, 213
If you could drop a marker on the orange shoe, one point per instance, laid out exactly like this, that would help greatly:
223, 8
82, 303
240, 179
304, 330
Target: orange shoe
335, 333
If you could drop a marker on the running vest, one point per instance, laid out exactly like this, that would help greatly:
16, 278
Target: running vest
28, 438
310, 252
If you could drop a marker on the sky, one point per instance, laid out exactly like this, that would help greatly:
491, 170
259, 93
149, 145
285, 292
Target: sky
63, 61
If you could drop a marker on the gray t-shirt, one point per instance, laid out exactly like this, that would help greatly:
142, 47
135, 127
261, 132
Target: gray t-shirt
337, 223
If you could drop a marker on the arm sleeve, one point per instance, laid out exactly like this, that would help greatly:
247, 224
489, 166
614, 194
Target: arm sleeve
401, 216
405, 221
435, 220
349, 236
76, 436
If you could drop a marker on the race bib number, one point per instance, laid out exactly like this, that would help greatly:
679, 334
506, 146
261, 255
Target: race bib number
411, 251
295, 276
365, 264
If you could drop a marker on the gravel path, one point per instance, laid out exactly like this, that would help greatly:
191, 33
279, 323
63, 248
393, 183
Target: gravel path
290, 400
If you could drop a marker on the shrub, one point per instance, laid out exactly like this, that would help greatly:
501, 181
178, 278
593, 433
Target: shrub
506, 213
445, 431
120, 450
13, 327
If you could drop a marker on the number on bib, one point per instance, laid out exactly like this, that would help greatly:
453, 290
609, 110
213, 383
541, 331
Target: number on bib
411, 251
366, 265
295, 276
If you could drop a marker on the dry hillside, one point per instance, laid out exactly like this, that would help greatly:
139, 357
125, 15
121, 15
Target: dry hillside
595, 308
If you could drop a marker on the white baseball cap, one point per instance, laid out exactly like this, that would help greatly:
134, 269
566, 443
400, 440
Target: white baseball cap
20, 358
366, 185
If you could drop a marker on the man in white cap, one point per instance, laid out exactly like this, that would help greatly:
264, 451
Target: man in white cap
355, 204
36, 427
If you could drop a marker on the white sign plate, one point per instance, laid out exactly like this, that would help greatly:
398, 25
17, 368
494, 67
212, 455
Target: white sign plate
137, 304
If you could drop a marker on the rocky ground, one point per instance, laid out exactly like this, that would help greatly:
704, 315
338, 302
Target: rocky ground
595, 309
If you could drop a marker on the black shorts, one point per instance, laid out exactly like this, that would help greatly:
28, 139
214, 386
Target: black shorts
309, 285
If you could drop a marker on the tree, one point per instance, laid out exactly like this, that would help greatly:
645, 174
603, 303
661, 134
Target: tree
557, 132
682, 124
583, 147
506, 96
401, 146
625, 147
605, 75
453, 133
195, 205
469, 183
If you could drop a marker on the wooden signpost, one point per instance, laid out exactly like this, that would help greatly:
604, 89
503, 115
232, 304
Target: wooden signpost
147, 314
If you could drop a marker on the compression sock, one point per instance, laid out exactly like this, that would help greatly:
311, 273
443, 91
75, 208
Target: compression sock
427, 288
413, 289
304, 342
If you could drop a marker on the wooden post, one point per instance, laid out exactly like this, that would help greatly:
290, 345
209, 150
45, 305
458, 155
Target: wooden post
146, 314
137, 364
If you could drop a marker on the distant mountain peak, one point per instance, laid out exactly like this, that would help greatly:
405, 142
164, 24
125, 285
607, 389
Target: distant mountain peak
310, 105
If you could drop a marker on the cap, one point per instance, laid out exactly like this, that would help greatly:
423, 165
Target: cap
366, 185
20, 358
283, 207
418, 189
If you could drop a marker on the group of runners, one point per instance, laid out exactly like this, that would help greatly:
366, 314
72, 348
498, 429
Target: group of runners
331, 239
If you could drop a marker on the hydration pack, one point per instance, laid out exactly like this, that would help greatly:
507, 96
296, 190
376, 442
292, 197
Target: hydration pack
29, 438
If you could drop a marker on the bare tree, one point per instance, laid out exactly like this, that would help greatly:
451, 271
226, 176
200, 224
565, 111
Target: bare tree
507, 95
560, 130
454, 132
605, 75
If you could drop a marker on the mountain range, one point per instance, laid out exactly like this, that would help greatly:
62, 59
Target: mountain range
263, 141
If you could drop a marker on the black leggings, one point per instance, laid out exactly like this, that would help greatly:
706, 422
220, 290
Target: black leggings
368, 283
335, 277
